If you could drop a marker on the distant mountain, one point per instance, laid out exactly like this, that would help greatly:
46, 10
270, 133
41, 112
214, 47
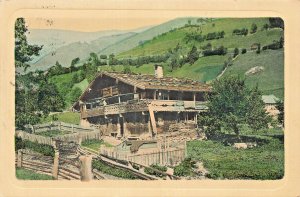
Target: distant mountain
64, 45
66, 53
148, 34
52, 39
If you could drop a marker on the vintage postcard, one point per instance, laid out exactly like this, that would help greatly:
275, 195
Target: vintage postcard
147, 98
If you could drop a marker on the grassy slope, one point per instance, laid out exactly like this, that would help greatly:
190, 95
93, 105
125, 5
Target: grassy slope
271, 80
225, 162
68, 117
164, 42
30, 175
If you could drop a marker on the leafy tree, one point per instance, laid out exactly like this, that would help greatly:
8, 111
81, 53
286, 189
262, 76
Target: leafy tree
231, 104
253, 28
94, 60
127, 70
276, 22
258, 49
280, 107
235, 52
193, 55
244, 51
104, 57
73, 63
49, 99
265, 27
23, 51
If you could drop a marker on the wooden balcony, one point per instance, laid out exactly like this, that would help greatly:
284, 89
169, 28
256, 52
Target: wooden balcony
144, 105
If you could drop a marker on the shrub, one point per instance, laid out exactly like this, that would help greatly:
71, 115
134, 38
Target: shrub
155, 166
244, 51
235, 52
185, 168
101, 166
243, 31
219, 51
44, 149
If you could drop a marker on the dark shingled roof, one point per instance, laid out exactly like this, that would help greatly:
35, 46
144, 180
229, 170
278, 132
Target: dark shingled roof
166, 83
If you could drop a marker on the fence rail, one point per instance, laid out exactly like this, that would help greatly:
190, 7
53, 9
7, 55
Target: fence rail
62, 126
74, 137
171, 156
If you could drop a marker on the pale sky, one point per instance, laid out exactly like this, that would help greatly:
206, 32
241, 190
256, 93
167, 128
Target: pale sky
94, 24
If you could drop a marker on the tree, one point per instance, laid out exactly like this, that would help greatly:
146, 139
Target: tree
258, 49
244, 51
73, 63
193, 55
23, 51
127, 70
253, 28
280, 117
231, 104
235, 52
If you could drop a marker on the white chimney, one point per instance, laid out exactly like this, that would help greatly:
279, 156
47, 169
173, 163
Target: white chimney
159, 73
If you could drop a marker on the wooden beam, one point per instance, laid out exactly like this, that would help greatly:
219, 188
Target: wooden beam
152, 119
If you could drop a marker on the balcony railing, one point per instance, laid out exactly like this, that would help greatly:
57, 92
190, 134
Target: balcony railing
143, 105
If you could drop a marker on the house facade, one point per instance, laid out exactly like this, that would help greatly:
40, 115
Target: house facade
140, 106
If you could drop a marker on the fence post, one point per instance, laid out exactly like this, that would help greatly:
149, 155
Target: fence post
185, 149
55, 165
20, 158
86, 168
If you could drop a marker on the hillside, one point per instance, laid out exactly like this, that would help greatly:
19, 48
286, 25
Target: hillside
65, 54
271, 79
167, 41
147, 35
52, 39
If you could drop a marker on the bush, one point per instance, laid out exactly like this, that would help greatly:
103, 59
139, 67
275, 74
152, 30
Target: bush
219, 51
155, 166
243, 31
235, 52
244, 51
101, 166
44, 149
185, 168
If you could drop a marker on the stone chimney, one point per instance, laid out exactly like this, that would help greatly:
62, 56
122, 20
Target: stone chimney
159, 73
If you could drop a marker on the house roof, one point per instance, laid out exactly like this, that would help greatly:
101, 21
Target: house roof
144, 81
270, 99
165, 83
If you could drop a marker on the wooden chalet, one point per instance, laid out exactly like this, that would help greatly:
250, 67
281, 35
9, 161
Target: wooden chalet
127, 105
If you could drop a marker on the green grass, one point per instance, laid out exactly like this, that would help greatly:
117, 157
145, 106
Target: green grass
25, 174
101, 166
53, 133
163, 43
67, 117
204, 69
95, 144
225, 162
82, 85
271, 79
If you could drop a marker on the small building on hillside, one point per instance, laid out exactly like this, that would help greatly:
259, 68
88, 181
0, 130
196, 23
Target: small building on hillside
126, 105
270, 104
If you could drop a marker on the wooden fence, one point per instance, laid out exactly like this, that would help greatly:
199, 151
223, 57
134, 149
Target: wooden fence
74, 137
58, 126
171, 156
34, 138
57, 167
